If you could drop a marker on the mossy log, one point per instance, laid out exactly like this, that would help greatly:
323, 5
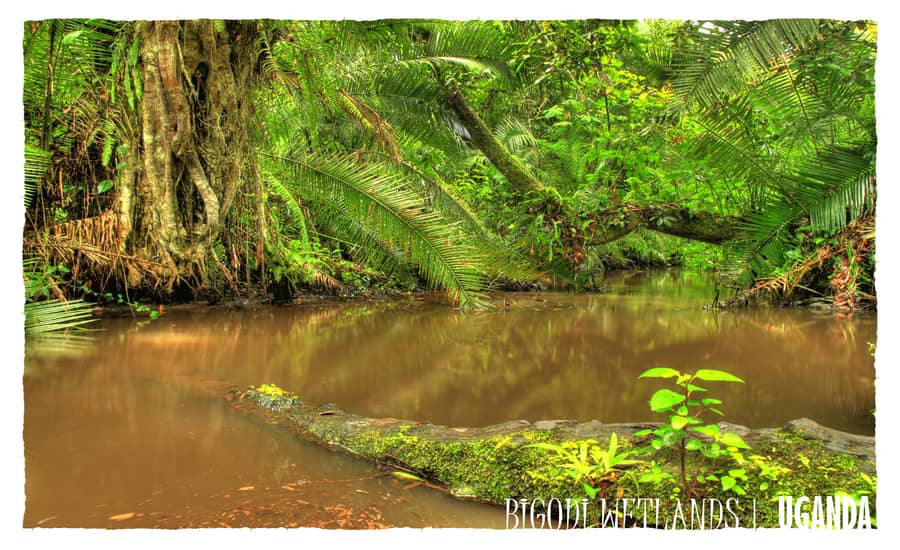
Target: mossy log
494, 463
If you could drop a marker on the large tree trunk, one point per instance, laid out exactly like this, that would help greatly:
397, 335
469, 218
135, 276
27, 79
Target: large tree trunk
195, 154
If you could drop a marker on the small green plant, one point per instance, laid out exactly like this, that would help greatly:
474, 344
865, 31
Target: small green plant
41, 282
584, 462
769, 472
688, 432
137, 308
868, 491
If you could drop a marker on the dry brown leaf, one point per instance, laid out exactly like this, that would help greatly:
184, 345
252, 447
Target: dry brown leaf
122, 517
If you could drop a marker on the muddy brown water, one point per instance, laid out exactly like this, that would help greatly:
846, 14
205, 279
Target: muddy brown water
132, 425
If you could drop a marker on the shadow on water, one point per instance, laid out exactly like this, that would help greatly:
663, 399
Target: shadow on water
134, 426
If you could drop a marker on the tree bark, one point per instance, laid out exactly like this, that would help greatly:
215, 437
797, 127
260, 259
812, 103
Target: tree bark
482, 138
672, 220
195, 117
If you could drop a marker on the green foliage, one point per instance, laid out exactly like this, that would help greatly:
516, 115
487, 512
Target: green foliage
45, 315
584, 463
787, 106
688, 432
868, 490
56, 315
395, 219
360, 151
136, 308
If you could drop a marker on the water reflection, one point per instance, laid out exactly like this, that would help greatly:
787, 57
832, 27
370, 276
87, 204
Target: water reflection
544, 355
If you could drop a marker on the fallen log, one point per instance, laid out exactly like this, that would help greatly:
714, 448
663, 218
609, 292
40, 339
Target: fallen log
497, 463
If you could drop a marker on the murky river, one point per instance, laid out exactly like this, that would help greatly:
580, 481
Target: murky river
132, 431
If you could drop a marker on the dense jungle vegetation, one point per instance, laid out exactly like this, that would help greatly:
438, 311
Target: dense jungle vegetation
180, 160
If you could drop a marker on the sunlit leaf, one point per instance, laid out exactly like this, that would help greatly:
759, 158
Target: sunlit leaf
659, 372
665, 399
679, 422
733, 440
406, 476
728, 482
712, 375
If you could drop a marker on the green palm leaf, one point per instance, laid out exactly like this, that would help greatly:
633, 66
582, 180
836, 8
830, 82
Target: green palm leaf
722, 57
37, 161
56, 315
379, 202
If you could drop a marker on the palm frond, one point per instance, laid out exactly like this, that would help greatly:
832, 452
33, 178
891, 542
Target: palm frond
296, 217
831, 189
379, 202
837, 186
372, 122
766, 233
56, 315
37, 161
722, 57
360, 241
515, 135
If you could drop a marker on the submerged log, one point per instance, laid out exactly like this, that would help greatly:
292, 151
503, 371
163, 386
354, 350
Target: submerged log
496, 463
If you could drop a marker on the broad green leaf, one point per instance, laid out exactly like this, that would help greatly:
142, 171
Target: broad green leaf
659, 372
712, 375
694, 445
728, 482
642, 433
104, 186
694, 388
733, 440
682, 410
678, 422
710, 401
709, 429
665, 399
672, 437
711, 452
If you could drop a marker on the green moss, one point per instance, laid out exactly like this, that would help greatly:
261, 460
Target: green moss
493, 464
271, 397
796, 467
